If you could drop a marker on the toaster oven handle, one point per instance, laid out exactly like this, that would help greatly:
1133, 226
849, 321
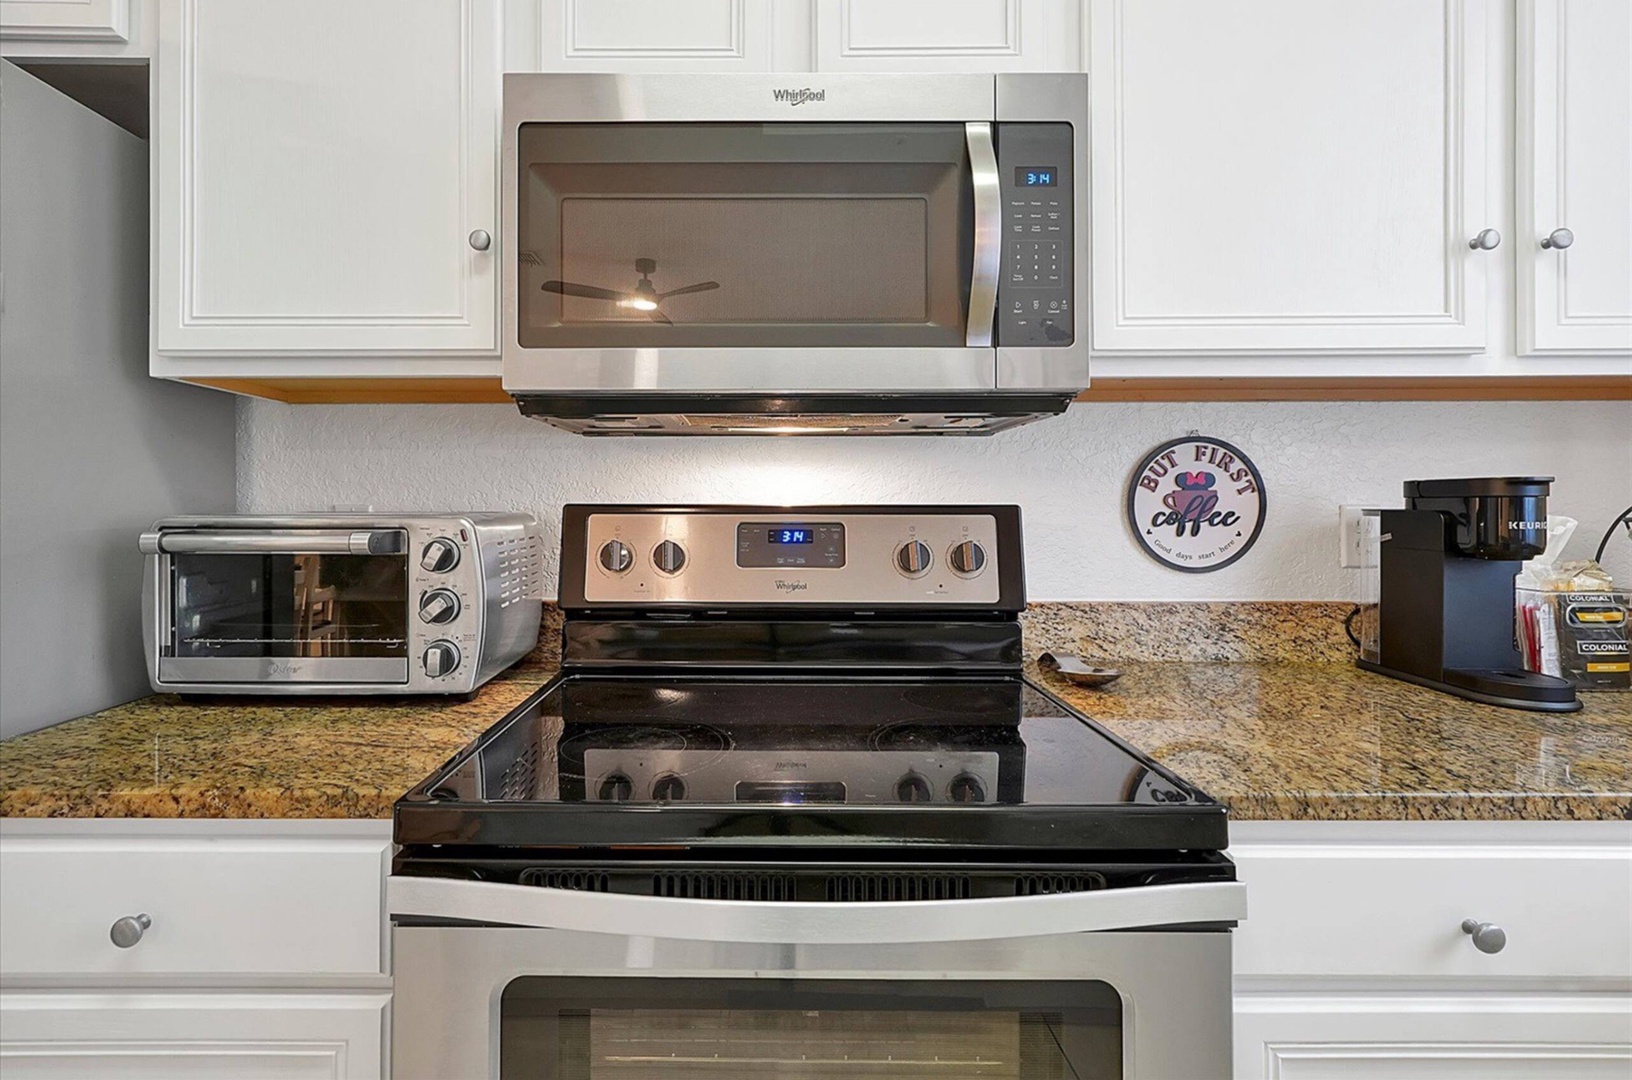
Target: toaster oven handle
988, 235
815, 923
276, 542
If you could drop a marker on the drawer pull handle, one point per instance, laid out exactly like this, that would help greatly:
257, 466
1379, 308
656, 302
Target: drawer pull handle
128, 931
1487, 936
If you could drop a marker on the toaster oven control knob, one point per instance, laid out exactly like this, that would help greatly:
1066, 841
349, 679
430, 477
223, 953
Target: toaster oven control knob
967, 558
912, 558
616, 788
440, 555
439, 606
441, 658
669, 557
966, 788
616, 556
669, 788
912, 788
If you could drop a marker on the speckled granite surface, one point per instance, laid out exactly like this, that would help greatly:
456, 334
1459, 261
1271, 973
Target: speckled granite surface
1254, 703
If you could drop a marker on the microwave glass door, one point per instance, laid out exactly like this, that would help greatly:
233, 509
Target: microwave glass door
745, 235
659, 1029
284, 606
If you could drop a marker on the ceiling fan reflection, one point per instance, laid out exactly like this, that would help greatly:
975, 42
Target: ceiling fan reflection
644, 296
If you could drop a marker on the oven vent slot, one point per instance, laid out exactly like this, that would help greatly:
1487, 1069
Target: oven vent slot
521, 569
518, 780
577, 880
1042, 884
861, 888
722, 885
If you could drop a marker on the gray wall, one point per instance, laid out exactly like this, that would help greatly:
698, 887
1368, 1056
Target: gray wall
91, 448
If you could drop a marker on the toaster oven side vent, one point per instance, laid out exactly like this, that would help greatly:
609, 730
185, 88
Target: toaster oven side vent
520, 777
724, 885
576, 880
1043, 884
521, 568
861, 888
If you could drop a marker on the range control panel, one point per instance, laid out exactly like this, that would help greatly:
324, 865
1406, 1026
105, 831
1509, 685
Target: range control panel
1035, 179
792, 556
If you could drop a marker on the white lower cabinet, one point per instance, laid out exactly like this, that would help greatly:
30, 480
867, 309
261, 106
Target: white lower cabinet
179, 1036
1353, 961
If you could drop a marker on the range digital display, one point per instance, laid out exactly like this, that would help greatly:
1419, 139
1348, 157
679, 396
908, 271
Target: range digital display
1036, 176
790, 534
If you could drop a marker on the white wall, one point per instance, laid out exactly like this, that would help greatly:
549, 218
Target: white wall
91, 448
1069, 474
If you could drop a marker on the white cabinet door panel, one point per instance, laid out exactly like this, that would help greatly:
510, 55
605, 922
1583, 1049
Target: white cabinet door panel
659, 35
182, 1036
320, 167
1433, 1037
65, 20
945, 35
1288, 175
1575, 172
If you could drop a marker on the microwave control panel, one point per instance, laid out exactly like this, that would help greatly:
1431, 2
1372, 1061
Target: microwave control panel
1034, 290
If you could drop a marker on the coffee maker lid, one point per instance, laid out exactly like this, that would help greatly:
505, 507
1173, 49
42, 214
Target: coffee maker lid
1512, 487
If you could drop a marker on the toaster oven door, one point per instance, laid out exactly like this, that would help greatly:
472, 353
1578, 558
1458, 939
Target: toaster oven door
295, 606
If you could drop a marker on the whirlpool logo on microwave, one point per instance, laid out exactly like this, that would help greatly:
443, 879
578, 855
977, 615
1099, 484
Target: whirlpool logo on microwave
799, 97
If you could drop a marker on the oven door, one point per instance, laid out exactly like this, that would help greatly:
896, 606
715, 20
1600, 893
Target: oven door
513, 981
279, 607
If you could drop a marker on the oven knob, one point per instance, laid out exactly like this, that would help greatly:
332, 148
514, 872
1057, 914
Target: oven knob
967, 558
966, 788
616, 788
441, 658
439, 606
669, 788
440, 555
616, 556
912, 788
669, 557
913, 558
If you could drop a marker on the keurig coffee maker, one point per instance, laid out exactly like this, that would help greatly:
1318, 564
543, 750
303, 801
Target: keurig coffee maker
1446, 565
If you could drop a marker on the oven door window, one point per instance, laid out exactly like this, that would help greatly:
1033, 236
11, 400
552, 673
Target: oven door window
659, 1029
288, 606
746, 235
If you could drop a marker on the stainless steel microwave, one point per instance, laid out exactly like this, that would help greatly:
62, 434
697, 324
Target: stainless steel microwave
339, 603
879, 254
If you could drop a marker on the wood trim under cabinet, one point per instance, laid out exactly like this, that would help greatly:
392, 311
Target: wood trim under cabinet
428, 391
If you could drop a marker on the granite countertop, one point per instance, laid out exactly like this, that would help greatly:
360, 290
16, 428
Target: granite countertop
1278, 740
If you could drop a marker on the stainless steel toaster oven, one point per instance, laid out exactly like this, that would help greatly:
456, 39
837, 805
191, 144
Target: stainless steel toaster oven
339, 603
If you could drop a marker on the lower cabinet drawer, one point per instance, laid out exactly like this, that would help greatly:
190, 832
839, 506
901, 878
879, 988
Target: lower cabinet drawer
245, 906
1363, 909
148, 1036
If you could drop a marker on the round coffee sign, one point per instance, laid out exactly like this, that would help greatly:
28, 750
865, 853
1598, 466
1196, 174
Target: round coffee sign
1196, 504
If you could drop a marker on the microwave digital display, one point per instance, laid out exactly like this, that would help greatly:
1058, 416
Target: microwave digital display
1036, 176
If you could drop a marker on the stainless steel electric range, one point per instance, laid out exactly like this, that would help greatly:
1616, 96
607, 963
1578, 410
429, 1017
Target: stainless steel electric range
791, 809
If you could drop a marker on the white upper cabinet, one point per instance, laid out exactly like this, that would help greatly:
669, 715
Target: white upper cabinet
1574, 176
660, 35
65, 20
1289, 176
325, 178
946, 35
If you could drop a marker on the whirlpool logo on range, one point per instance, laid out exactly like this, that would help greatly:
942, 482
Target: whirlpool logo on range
802, 96
791, 586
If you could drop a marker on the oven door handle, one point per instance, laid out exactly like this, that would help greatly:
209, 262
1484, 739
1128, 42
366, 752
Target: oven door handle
276, 542
802, 923
988, 235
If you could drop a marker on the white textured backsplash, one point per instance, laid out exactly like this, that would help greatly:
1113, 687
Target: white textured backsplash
1069, 474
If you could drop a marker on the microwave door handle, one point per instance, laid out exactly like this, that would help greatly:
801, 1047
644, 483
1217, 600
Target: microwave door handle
814, 923
274, 542
988, 235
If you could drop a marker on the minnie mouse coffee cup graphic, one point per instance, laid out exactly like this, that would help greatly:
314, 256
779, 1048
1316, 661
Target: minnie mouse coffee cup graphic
1196, 504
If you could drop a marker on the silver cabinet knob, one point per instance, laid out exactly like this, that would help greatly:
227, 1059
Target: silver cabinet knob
1558, 238
126, 932
481, 240
1486, 240
1487, 936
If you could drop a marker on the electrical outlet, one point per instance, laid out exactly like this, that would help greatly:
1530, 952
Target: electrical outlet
1349, 535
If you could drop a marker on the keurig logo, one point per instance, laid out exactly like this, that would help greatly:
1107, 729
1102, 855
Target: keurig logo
1196, 504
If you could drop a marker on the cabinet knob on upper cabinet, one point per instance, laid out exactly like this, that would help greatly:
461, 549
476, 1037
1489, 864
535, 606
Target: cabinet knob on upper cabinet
481, 240
1487, 936
126, 932
1558, 238
1487, 240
